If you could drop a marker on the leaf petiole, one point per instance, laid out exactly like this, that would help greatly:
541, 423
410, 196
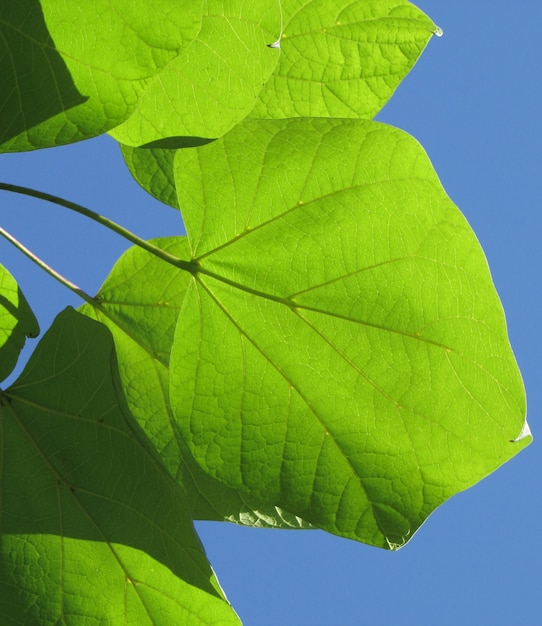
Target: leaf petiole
47, 268
104, 221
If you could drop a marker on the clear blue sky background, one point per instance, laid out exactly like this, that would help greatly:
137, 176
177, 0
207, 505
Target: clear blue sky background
473, 101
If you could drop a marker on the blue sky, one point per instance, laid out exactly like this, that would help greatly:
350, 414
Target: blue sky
473, 102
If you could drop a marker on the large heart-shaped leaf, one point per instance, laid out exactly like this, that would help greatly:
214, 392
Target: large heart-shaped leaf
17, 322
93, 527
343, 58
113, 65
341, 351
139, 302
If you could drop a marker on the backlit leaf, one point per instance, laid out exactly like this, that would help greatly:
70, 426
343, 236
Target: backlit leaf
337, 59
341, 351
93, 528
152, 168
342, 58
139, 303
215, 82
107, 66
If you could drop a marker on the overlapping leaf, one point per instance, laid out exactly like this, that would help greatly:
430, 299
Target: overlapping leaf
74, 70
139, 303
152, 168
335, 354
338, 59
343, 58
17, 322
342, 352
215, 82
93, 528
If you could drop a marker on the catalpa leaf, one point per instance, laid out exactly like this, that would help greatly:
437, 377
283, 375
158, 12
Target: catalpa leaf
17, 322
36, 83
78, 68
139, 302
111, 66
337, 59
342, 58
215, 83
341, 351
152, 168
93, 527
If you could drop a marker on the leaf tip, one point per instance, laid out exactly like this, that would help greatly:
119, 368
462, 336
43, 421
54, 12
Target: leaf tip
525, 432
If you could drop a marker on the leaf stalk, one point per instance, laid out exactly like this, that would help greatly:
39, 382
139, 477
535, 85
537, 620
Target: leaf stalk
187, 266
47, 268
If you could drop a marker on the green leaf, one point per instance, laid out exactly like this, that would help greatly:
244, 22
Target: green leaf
36, 83
337, 59
95, 58
17, 322
93, 528
139, 302
152, 168
216, 82
341, 351
112, 66
343, 58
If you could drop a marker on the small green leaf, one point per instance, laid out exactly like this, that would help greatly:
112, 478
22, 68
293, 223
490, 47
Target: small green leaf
139, 303
342, 58
152, 168
341, 351
17, 322
93, 528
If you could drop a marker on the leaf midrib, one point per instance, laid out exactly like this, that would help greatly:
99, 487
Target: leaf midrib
446, 350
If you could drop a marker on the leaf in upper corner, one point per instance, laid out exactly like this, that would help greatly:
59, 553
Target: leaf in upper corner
17, 322
92, 526
139, 303
342, 58
36, 82
342, 352
114, 65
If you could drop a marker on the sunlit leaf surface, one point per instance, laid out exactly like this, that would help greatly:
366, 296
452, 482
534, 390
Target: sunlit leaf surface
152, 168
341, 352
74, 70
337, 59
140, 303
342, 58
